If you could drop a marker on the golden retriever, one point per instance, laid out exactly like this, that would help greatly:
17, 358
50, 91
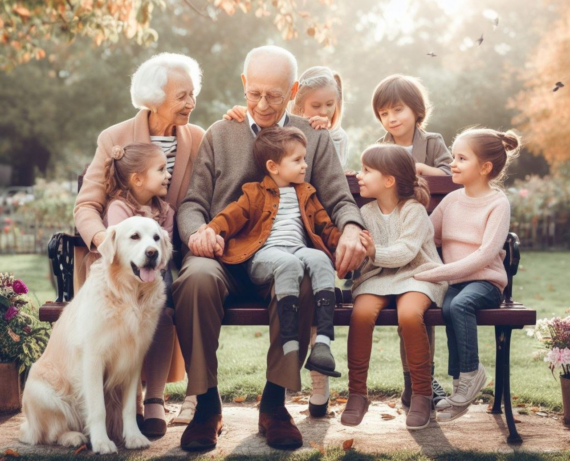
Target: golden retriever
85, 383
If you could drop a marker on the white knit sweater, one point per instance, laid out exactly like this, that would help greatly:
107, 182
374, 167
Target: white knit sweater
404, 247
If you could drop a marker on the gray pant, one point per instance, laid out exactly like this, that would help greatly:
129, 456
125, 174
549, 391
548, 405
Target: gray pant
286, 266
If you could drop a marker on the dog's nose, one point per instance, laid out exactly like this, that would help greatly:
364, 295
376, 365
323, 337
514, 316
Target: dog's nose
151, 253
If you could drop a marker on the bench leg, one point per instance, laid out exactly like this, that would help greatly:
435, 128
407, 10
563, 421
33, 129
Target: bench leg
499, 368
514, 436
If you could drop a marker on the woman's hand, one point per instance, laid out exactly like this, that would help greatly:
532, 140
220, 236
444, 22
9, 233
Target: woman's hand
237, 113
98, 238
368, 243
319, 123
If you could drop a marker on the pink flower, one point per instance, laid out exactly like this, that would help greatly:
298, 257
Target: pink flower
523, 193
565, 356
19, 287
10, 313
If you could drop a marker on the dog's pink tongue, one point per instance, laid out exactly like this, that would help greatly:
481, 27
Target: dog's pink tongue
147, 275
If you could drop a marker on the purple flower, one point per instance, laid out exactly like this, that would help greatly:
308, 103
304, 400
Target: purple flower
10, 313
27, 329
19, 287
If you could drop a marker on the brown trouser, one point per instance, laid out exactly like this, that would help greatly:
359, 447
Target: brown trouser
199, 293
411, 307
431, 338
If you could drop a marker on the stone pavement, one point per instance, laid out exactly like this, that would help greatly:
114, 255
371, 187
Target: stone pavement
383, 430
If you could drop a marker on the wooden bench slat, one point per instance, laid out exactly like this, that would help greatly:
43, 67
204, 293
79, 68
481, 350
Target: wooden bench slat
257, 314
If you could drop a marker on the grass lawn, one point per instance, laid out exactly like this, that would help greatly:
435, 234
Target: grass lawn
541, 284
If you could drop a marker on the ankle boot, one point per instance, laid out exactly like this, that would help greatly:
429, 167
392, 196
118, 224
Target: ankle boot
420, 412
288, 311
324, 312
407, 392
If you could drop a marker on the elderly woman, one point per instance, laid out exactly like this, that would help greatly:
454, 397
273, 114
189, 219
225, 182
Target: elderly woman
164, 89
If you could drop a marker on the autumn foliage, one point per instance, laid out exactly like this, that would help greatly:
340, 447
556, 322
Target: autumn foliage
29, 26
544, 114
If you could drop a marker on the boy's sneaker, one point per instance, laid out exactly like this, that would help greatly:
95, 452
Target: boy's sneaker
438, 391
470, 384
444, 403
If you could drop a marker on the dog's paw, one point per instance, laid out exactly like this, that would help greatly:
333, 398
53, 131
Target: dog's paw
103, 446
136, 441
72, 439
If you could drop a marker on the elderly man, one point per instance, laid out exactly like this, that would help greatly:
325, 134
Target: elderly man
224, 163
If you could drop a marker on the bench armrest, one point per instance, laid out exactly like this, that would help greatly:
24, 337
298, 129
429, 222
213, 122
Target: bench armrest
60, 252
511, 263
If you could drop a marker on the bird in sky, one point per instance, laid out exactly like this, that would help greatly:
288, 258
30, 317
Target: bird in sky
480, 40
495, 22
557, 86
432, 54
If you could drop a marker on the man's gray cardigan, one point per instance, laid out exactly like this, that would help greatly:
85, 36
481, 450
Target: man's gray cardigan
225, 163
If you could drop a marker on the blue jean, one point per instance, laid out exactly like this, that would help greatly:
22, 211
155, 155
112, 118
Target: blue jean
461, 303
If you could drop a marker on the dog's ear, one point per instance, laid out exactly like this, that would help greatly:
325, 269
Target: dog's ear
165, 249
108, 247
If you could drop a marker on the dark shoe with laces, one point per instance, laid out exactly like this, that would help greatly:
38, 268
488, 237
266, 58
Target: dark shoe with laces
280, 430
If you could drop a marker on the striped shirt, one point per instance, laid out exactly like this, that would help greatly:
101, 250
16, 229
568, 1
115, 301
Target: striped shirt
287, 229
168, 145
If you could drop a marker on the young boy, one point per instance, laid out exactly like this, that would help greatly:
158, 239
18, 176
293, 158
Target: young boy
280, 229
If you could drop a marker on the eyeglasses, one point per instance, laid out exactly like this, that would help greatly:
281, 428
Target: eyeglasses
271, 99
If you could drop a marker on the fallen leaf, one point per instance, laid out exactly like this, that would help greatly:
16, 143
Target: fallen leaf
297, 398
399, 411
258, 398
391, 404
80, 449
521, 405
515, 397
12, 453
240, 399
491, 383
517, 421
316, 446
341, 400
387, 416
258, 334
535, 409
347, 444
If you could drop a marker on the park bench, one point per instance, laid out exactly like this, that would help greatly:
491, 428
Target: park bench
511, 315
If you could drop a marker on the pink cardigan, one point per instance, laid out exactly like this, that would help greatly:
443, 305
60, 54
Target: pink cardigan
91, 200
472, 233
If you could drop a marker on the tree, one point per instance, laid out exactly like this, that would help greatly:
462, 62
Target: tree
545, 114
28, 26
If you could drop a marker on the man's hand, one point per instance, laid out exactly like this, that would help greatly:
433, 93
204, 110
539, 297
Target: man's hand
203, 242
98, 238
220, 244
350, 252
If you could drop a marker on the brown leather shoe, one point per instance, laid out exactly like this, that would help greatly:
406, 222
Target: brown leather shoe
280, 430
202, 433
356, 408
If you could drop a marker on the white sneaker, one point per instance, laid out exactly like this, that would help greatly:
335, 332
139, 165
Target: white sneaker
444, 404
469, 387
451, 413
187, 411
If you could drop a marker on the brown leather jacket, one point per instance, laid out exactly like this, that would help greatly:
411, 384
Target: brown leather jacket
246, 224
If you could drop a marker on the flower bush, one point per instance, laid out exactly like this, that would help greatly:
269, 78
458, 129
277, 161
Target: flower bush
23, 337
554, 333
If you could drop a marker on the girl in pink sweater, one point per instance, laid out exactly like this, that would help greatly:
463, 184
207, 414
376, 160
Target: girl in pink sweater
136, 181
471, 226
